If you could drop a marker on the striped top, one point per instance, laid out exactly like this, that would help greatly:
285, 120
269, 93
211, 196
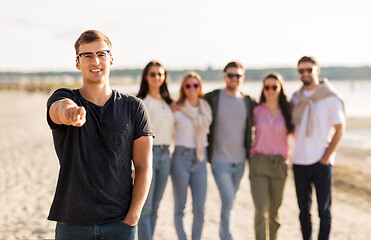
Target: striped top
270, 133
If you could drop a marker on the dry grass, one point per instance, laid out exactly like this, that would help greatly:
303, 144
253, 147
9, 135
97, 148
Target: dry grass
37, 87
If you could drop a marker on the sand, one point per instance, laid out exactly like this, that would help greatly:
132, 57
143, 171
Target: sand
29, 170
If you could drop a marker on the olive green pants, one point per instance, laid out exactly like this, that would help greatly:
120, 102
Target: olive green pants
268, 175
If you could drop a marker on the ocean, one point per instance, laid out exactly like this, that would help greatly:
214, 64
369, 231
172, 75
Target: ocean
356, 95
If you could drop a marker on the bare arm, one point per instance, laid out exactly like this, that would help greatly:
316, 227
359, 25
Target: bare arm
333, 145
142, 158
174, 107
66, 111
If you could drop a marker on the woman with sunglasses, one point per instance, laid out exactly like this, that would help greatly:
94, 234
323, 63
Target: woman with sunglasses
268, 155
188, 168
154, 92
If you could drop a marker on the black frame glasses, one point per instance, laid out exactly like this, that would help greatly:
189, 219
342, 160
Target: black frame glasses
102, 54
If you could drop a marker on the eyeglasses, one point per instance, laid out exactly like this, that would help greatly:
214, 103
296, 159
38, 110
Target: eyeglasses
302, 70
273, 87
189, 85
231, 75
88, 56
153, 74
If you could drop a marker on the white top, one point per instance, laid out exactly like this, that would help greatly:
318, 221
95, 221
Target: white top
185, 131
162, 119
326, 113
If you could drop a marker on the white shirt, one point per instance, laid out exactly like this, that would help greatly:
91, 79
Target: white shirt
185, 131
162, 119
326, 113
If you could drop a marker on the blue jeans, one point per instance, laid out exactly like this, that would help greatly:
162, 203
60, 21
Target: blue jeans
321, 176
227, 177
186, 171
161, 171
111, 231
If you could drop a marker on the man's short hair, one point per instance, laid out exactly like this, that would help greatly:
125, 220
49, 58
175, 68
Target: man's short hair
233, 64
91, 36
308, 59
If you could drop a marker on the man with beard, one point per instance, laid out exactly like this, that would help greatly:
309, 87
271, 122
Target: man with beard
229, 138
319, 119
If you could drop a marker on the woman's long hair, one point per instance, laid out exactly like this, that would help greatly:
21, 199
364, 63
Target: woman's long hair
282, 100
182, 96
144, 88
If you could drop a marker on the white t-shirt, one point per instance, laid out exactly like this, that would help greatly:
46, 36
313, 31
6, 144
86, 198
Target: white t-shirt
162, 119
185, 131
326, 113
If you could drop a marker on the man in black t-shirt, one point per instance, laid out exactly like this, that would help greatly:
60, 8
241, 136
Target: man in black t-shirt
97, 133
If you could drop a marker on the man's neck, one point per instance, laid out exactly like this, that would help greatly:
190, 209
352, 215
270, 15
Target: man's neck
234, 93
313, 85
97, 94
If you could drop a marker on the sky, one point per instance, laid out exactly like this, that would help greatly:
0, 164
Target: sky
39, 35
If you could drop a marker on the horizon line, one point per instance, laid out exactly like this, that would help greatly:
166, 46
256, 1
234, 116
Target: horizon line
175, 69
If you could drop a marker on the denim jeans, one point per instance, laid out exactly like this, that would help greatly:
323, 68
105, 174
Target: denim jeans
186, 171
111, 231
161, 171
321, 176
227, 177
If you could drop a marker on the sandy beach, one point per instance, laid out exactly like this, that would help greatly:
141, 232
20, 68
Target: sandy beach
29, 170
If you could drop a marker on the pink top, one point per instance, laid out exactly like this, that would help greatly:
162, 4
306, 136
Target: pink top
270, 133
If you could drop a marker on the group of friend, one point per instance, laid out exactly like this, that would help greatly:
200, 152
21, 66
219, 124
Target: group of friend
100, 133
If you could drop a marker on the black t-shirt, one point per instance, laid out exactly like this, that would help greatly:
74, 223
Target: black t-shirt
94, 184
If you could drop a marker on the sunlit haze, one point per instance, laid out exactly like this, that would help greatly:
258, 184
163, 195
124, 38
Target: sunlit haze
39, 35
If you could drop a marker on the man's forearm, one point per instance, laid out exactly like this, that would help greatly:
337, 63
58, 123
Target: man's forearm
141, 186
334, 143
142, 159
66, 111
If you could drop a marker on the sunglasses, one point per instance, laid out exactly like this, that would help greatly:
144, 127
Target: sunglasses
273, 87
231, 75
153, 74
189, 85
302, 70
